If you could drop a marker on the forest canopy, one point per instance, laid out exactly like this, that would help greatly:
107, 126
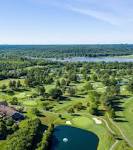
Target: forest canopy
62, 51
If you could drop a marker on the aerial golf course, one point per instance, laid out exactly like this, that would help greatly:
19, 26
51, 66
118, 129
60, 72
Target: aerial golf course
96, 97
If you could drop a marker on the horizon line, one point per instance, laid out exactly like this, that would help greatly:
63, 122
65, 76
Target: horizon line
68, 44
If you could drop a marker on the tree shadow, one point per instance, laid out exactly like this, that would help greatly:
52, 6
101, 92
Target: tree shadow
64, 98
116, 103
39, 136
78, 96
120, 118
100, 112
76, 115
22, 90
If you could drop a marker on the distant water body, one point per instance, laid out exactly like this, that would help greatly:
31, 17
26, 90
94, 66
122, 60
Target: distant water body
93, 59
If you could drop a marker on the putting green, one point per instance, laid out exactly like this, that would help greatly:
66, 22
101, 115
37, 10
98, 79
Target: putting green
82, 122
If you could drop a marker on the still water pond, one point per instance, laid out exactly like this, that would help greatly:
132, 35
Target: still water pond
71, 138
93, 59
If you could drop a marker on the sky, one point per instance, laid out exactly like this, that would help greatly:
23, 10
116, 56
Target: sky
66, 21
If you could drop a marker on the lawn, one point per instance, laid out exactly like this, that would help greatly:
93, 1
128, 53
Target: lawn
126, 123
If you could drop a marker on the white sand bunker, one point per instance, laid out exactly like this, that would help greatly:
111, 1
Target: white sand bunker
68, 122
97, 121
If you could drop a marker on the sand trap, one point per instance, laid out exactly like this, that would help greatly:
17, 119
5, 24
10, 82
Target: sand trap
68, 122
97, 121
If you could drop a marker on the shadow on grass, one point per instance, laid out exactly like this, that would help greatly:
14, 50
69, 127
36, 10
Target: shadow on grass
22, 90
120, 120
116, 103
76, 115
100, 112
78, 96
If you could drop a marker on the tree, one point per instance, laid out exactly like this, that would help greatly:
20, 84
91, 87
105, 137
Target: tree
94, 77
46, 139
3, 129
12, 84
113, 90
117, 89
111, 112
73, 77
58, 83
55, 93
70, 110
41, 90
15, 127
71, 91
88, 86
104, 100
3, 87
93, 96
18, 84
14, 101
78, 106
35, 111
9, 121
24, 138
63, 82
93, 109
67, 82
130, 86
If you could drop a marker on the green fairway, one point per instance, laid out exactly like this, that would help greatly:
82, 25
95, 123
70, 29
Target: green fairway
126, 122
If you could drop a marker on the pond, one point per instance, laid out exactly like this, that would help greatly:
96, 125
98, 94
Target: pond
71, 138
93, 59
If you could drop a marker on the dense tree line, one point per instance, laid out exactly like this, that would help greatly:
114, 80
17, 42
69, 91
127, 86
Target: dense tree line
46, 139
7, 127
27, 136
48, 51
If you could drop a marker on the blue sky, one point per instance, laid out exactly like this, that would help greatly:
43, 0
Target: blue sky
66, 21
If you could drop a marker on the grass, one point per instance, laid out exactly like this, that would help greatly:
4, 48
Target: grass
82, 122
126, 56
127, 125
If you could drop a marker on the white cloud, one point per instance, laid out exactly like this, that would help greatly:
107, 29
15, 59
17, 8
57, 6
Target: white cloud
115, 12
107, 17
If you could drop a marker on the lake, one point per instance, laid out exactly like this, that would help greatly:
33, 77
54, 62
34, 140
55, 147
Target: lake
71, 138
93, 59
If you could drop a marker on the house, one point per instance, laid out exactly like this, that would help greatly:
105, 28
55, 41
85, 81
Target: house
6, 111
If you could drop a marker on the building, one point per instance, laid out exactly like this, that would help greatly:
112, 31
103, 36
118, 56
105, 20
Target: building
6, 111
